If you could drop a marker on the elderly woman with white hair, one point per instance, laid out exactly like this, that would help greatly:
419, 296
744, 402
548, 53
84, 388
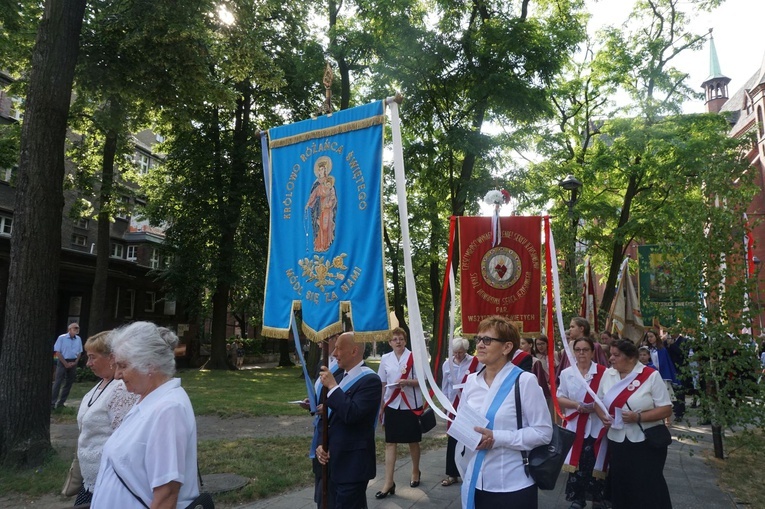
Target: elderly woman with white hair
454, 374
151, 459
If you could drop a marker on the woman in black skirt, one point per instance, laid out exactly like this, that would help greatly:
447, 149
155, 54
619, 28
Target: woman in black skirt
401, 397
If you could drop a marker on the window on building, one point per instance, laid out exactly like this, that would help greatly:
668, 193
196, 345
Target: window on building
124, 305
17, 108
122, 208
131, 253
6, 174
79, 240
150, 300
117, 250
154, 260
6, 224
143, 162
759, 121
82, 222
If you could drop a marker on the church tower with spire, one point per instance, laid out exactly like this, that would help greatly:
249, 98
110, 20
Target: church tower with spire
716, 85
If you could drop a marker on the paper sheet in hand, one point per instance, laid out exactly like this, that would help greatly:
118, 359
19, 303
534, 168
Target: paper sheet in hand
462, 426
618, 419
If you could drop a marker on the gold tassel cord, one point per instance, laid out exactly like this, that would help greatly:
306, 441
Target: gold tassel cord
329, 131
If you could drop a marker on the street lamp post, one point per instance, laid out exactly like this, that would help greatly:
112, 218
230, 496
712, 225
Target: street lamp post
572, 185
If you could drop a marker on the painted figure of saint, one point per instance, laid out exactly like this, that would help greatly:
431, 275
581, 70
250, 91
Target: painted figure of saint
322, 203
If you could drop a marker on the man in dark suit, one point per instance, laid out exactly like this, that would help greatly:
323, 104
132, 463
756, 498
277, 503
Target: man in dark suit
353, 405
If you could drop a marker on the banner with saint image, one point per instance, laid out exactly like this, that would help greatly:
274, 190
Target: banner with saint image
505, 279
325, 250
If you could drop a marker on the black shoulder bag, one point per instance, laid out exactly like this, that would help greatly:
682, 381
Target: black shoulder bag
545, 462
657, 437
427, 417
203, 500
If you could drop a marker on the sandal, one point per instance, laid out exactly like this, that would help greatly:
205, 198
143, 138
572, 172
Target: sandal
449, 481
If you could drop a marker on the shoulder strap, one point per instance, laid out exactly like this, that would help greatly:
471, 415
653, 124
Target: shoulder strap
519, 417
128, 488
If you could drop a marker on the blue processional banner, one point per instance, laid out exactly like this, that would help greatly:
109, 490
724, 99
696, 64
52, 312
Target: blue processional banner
325, 252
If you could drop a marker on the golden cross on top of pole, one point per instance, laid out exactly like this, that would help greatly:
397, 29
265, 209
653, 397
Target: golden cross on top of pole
326, 108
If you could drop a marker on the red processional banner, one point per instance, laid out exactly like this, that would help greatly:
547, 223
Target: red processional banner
503, 279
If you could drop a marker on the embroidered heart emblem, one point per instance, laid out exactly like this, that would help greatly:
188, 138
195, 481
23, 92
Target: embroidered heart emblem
501, 270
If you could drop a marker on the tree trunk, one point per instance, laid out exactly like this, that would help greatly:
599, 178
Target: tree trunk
342, 64
103, 248
398, 298
230, 184
717, 441
617, 251
284, 353
26, 347
218, 352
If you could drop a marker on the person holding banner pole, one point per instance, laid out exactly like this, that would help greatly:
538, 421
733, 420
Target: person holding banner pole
455, 373
494, 474
317, 467
401, 409
350, 409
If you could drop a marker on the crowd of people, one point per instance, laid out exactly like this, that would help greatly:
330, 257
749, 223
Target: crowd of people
137, 444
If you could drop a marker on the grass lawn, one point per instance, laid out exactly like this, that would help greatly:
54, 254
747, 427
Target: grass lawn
273, 465
245, 393
740, 472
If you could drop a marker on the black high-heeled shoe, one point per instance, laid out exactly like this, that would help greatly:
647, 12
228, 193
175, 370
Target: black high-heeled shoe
383, 494
416, 483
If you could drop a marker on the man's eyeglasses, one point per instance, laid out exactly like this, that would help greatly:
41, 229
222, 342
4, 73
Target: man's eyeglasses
582, 350
486, 340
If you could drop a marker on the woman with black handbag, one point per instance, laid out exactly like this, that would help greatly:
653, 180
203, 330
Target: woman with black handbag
638, 402
494, 475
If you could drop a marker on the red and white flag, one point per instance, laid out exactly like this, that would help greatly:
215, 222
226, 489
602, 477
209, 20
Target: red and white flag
589, 307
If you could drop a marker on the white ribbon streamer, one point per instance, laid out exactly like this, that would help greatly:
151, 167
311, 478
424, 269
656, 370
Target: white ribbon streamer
561, 325
419, 349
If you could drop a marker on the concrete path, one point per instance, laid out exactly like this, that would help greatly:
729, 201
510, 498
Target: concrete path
692, 483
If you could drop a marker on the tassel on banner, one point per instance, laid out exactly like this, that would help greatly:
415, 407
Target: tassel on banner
497, 198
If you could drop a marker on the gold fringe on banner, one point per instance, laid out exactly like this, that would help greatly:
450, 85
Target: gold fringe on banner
324, 334
599, 474
569, 468
273, 332
329, 331
329, 131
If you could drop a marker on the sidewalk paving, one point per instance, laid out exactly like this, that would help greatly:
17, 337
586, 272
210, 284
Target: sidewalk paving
692, 483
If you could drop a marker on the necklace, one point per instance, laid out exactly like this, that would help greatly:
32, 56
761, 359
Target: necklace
90, 403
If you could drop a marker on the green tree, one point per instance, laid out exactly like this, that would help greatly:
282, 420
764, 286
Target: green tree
472, 64
136, 57
621, 153
705, 256
211, 191
25, 349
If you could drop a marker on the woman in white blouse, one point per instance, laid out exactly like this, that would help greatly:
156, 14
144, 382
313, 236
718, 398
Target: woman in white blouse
494, 475
400, 396
151, 459
635, 396
579, 407
455, 373
100, 413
